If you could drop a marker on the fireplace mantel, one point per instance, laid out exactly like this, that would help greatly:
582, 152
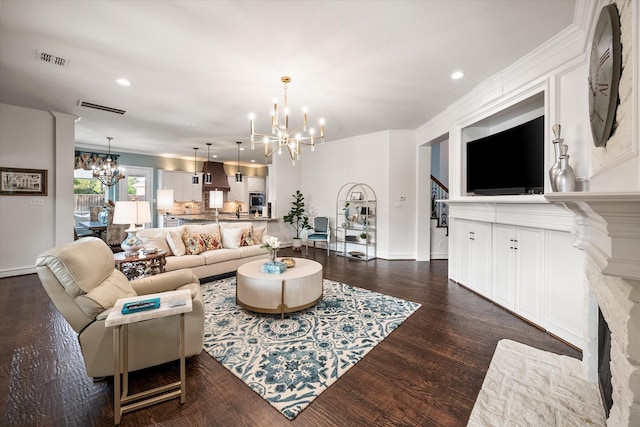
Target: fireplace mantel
607, 228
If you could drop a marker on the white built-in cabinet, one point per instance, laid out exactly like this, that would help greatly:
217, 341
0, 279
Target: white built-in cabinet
181, 184
523, 259
474, 255
567, 288
518, 267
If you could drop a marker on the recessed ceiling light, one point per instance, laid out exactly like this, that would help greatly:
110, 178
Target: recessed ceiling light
456, 75
253, 161
215, 156
123, 82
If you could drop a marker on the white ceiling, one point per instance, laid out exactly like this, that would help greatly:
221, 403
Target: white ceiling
198, 68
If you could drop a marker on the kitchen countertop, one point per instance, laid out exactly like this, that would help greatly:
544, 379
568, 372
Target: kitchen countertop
221, 218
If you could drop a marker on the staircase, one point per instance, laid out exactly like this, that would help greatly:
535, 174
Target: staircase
439, 220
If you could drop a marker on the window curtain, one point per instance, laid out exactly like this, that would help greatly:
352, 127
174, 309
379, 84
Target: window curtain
87, 160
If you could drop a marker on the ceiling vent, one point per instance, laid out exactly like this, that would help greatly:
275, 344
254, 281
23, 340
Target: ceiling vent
100, 107
52, 59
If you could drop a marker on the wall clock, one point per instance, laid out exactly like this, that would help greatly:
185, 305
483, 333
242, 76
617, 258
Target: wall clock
604, 74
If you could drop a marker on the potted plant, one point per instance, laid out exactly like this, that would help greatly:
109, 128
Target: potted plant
363, 237
297, 218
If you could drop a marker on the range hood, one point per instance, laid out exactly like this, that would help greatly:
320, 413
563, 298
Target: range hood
218, 178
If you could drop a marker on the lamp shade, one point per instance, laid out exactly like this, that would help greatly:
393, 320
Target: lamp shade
216, 199
132, 213
165, 199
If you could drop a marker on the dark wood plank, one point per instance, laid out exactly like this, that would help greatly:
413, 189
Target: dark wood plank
428, 372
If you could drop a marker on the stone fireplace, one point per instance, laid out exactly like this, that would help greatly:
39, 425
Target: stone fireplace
608, 229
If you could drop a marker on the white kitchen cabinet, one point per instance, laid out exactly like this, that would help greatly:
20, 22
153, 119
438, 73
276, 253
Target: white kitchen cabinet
180, 182
167, 180
256, 184
518, 265
474, 250
237, 190
191, 192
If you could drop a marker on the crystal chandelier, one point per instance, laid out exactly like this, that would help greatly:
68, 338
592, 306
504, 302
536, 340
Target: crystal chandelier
109, 174
283, 136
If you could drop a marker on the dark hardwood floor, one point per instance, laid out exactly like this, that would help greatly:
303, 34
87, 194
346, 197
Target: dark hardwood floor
426, 373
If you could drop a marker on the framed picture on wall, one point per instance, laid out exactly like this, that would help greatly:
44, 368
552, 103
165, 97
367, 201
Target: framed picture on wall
356, 195
23, 182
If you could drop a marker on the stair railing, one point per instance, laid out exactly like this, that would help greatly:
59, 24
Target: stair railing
439, 211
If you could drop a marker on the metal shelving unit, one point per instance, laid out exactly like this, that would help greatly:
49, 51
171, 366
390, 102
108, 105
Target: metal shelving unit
355, 216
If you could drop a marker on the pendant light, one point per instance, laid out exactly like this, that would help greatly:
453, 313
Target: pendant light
206, 179
194, 178
238, 173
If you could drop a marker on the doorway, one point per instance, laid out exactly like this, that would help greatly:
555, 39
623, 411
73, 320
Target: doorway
137, 185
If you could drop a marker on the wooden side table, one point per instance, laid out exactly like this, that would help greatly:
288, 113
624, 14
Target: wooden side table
123, 402
135, 267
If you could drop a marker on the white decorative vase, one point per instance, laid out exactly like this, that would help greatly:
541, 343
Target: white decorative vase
297, 244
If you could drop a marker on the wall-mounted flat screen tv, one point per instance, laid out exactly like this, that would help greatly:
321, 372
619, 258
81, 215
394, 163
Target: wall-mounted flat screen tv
508, 162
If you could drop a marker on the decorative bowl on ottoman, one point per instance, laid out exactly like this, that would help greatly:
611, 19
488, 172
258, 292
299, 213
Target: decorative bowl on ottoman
289, 261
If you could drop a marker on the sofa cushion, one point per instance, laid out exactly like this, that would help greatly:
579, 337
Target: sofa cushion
231, 237
155, 238
174, 240
257, 234
79, 266
185, 261
246, 239
249, 251
193, 243
211, 241
202, 228
220, 255
116, 286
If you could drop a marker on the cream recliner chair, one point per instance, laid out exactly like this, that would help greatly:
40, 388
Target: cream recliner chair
82, 283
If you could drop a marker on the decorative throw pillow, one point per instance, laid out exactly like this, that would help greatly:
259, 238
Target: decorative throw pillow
211, 241
231, 237
246, 239
257, 234
193, 243
174, 240
155, 238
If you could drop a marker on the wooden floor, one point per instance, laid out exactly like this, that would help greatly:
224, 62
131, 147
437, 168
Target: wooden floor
426, 373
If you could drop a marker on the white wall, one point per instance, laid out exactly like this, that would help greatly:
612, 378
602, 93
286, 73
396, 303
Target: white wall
35, 139
386, 162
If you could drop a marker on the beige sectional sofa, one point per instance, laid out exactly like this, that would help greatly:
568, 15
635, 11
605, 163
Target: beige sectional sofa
208, 249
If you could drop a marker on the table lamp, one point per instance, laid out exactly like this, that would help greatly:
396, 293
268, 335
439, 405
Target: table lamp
132, 213
165, 200
216, 201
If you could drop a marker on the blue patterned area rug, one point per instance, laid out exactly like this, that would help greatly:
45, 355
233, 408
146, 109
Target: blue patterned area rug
290, 361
